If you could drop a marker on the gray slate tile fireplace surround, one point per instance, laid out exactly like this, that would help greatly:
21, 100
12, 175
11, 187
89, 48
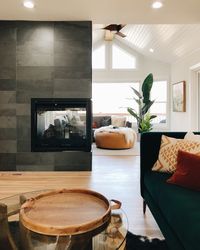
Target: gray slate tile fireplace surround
41, 60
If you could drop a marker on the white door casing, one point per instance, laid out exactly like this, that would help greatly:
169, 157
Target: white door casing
194, 98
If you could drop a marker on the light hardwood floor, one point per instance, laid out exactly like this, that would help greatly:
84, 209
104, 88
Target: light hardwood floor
116, 177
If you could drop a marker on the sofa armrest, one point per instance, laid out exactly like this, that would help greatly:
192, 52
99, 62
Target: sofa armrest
149, 150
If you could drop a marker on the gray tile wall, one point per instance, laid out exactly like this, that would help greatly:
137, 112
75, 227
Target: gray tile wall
40, 59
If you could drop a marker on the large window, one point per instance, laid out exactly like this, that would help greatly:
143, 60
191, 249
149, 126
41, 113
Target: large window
121, 59
159, 108
113, 98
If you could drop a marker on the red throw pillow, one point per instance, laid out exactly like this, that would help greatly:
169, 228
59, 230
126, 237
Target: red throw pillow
94, 125
187, 173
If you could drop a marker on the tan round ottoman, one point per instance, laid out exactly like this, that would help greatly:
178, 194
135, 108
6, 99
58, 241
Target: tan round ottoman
109, 140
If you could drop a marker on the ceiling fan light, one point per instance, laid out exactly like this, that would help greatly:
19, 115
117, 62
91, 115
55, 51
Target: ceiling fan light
108, 35
28, 4
157, 5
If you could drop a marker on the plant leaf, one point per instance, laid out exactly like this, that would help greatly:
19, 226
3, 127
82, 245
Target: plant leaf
146, 87
137, 93
152, 117
145, 124
134, 114
146, 107
138, 101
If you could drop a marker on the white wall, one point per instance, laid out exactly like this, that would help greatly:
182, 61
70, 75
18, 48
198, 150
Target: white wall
181, 70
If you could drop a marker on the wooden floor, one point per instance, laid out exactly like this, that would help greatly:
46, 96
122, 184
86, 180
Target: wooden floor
117, 177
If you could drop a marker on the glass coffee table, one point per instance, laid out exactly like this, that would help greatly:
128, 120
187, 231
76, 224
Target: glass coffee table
110, 236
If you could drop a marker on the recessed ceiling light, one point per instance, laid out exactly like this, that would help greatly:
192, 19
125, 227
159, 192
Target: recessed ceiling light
157, 5
28, 4
151, 50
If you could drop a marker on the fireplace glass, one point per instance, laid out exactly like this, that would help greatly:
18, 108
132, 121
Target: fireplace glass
61, 124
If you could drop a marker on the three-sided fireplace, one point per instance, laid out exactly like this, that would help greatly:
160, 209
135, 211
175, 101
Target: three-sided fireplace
61, 124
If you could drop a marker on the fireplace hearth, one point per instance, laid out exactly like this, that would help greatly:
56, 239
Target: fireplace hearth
61, 124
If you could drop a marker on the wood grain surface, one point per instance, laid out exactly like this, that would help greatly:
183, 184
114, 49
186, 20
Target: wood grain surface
116, 177
65, 212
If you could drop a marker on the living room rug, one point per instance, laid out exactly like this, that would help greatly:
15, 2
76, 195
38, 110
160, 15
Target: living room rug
138, 242
132, 151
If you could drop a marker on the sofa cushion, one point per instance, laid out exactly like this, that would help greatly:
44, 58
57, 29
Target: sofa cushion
179, 206
167, 158
187, 173
118, 121
105, 121
192, 137
99, 121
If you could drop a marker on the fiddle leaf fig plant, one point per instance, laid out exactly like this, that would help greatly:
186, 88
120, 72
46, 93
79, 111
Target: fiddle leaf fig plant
143, 116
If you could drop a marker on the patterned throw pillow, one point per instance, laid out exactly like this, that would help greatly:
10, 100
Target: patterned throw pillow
167, 158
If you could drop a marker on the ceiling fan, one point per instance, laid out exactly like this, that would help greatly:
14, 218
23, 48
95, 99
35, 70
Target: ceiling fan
113, 29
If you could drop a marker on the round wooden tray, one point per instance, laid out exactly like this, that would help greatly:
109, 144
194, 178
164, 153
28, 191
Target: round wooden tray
66, 212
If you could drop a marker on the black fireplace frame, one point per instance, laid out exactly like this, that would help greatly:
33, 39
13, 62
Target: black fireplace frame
71, 102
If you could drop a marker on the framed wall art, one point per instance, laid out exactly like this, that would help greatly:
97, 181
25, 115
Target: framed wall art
178, 97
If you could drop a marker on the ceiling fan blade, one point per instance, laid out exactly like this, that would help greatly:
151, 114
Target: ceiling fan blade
120, 34
122, 26
111, 27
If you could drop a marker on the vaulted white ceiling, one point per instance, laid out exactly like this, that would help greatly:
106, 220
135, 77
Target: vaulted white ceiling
170, 42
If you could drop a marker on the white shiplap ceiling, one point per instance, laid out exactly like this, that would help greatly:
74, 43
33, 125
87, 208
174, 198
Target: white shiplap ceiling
170, 42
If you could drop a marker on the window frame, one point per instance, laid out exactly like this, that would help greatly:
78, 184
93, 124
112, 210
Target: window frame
109, 56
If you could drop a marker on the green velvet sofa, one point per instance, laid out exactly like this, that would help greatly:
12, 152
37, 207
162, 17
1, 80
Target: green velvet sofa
175, 209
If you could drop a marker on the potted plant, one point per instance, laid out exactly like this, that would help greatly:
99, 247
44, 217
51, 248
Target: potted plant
143, 116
